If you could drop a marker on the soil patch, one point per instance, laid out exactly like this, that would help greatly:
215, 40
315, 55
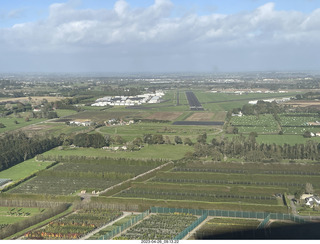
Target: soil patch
200, 117
303, 103
164, 115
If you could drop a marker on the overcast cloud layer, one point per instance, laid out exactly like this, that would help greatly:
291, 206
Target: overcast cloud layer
128, 39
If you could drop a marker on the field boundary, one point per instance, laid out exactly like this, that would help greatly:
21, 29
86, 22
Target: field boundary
127, 183
233, 214
124, 226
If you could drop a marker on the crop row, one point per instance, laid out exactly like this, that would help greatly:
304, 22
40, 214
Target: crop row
208, 197
159, 227
74, 225
69, 177
172, 180
286, 179
62, 186
234, 171
254, 167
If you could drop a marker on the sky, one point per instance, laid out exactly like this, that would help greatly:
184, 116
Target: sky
159, 35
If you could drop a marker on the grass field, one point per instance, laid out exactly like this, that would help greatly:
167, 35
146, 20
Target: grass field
10, 124
173, 152
282, 139
166, 129
262, 124
23, 169
65, 112
55, 129
33, 99
114, 113
10, 215
72, 176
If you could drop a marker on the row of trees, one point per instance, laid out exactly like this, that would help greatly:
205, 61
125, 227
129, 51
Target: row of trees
248, 149
18, 147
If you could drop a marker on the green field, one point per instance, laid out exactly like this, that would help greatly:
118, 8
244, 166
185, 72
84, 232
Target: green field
65, 112
69, 177
282, 139
166, 129
10, 215
262, 124
10, 124
163, 151
24, 169
252, 184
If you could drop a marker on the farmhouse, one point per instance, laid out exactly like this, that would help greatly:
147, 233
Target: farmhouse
238, 114
313, 200
81, 122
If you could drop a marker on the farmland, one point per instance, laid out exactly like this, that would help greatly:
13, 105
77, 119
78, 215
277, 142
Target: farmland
264, 124
158, 227
110, 228
217, 226
24, 169
69, 177
220, 182
193, 180
173, 152
289, 124
74, 225
166, 129
10, 215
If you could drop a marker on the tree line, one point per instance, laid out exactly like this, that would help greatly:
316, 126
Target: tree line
249, 150
18, 147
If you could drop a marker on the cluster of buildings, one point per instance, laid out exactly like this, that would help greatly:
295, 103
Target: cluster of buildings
247, 91
310, 200
129, 100
277, 100
81, 122
112, 122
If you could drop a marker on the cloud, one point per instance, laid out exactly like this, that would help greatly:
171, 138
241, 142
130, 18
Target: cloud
125, 35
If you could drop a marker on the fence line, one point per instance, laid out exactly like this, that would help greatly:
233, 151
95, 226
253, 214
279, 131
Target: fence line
263, 224
191, 227
124, 226
204, 214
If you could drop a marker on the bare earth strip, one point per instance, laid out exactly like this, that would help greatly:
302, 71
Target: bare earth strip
200, 117
220, 116
33, 99
164, 115
303, 103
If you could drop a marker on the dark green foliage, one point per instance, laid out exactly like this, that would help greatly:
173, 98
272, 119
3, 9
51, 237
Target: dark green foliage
19, 226
187, 141
147, 138
307, 134
158, 139
89, 140
177, 140
250, 150
202, 138
2, 125
15, 148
